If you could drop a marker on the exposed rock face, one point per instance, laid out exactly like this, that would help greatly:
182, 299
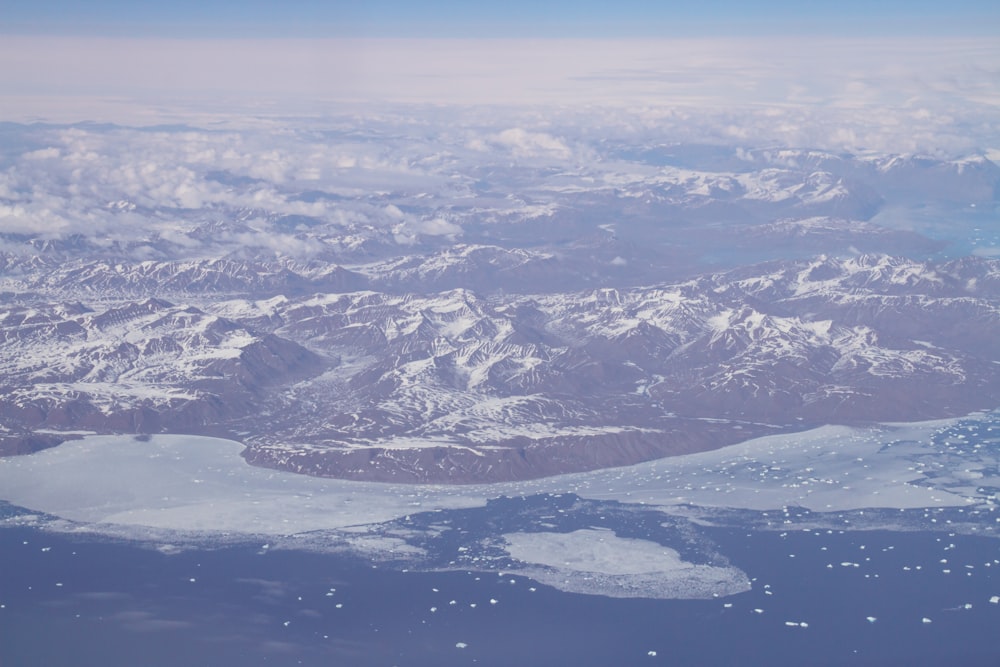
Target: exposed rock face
518, 458
26, 443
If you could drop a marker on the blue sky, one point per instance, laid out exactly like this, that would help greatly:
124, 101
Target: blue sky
510, 18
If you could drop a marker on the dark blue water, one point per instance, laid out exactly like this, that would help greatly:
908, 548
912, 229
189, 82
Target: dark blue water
72, 601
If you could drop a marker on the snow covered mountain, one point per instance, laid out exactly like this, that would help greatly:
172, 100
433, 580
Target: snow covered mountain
455, 385
455, 311
139, 367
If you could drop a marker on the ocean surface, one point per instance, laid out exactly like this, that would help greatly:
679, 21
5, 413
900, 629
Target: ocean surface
830, 547
69, 600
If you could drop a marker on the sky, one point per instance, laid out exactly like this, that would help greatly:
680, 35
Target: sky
511, 18
142, 63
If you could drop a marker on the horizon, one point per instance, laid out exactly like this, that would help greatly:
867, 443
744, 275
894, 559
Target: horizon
237, 63
517, 18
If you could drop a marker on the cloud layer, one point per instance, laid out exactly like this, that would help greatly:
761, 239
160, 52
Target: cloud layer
775, 69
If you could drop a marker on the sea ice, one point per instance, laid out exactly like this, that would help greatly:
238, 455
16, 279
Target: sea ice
618, 567
169, 486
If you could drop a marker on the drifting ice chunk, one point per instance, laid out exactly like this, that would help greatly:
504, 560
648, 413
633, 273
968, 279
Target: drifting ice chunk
870, 619
995, 599
461, 645
925, 620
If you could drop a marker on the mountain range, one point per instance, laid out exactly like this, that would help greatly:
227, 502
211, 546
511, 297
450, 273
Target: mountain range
526, 320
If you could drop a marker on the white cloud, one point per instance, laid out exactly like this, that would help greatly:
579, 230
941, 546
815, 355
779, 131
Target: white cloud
179, 238
438, 227
407, 232
42, 154
522, 142
409, 150
281, 244
818, 82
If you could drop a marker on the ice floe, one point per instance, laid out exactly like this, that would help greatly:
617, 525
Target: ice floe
167, 486
599, 562
194, 483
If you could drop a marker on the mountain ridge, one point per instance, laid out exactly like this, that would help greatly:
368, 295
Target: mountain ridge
457, 386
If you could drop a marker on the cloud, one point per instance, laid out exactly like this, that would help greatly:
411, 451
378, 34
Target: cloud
121, 182
437, 227
287, 245
522, 142
267, 76
461, 134
408, 231
534, 98
42, 154
179, 238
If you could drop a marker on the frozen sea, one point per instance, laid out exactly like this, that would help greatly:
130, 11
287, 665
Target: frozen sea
837, 546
